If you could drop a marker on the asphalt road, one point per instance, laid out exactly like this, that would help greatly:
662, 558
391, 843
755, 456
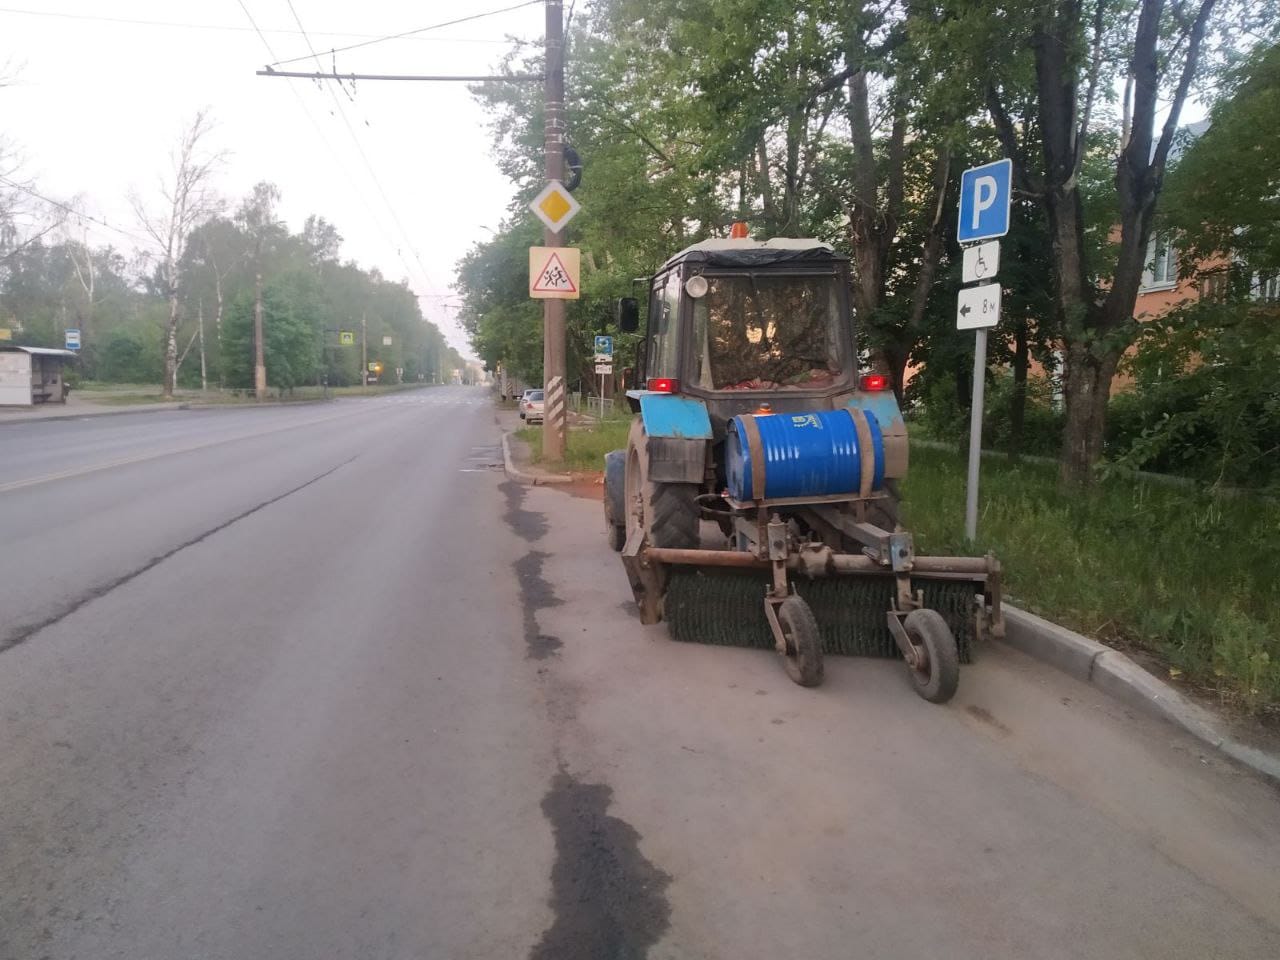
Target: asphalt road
319, 682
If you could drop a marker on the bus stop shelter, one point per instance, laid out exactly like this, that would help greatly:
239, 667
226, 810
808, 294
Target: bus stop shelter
31, 375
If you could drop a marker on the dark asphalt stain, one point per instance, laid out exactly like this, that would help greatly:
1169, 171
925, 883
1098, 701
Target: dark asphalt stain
24, 632
984, 715
535, 594
630, 609
528, 524
609, 901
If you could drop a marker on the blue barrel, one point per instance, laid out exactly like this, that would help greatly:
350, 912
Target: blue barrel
805, 455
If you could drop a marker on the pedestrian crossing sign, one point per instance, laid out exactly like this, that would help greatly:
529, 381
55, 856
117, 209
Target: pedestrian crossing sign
346, 338
553, 273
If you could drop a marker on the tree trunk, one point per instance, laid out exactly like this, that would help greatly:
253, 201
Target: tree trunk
928, 267
1018, 403
765, 185
171, 346
1088, 387
895, 360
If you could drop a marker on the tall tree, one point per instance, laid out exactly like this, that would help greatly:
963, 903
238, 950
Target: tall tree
1076, 49
188, 200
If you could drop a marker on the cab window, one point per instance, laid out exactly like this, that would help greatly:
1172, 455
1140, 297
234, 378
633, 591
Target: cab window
663, 354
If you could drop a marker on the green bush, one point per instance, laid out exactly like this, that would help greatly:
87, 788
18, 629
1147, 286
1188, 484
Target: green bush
936, 414
125, 359
1162, 568
1042, 424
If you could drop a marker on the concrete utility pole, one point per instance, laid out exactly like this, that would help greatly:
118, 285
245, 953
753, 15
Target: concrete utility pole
364, 351
204, 370
259, 362
553, 347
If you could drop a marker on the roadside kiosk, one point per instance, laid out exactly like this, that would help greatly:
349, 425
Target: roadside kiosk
31, 375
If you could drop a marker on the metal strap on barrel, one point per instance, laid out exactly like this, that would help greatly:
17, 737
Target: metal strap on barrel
751, 429
866, 452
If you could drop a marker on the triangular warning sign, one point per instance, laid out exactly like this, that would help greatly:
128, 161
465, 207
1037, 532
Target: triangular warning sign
553, 272
554, 278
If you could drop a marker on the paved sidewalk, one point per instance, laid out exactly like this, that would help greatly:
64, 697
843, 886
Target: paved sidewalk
79, 406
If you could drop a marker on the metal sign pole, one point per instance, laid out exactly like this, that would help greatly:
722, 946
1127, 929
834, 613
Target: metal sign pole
986, 195
975, 433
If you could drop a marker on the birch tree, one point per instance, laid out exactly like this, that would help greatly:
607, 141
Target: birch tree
187, 201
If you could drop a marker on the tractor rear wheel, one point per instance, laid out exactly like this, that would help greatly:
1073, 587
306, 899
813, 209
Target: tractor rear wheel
884, 511
668, 512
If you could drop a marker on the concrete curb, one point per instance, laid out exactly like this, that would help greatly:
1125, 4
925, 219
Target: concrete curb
521, 476
1119, 677
197, 405
162, 408
94, 414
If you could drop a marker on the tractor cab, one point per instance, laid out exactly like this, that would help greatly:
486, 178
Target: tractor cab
741, 323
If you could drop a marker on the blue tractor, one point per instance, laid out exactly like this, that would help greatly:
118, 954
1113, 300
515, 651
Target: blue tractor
762, 470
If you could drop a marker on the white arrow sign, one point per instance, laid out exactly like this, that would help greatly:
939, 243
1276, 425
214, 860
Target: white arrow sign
978, 307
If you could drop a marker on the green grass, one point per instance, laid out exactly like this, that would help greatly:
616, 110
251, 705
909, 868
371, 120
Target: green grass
1173, 571
586, 447
119, 394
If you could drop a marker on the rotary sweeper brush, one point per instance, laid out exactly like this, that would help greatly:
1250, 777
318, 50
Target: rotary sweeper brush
753, 420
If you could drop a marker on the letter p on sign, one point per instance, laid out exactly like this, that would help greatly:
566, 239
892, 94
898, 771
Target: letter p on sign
985, 194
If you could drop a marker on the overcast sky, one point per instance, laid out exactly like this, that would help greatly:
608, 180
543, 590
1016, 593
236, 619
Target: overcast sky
97, 104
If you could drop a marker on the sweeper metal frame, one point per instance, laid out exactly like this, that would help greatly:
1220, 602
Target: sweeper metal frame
923, 637
706, 302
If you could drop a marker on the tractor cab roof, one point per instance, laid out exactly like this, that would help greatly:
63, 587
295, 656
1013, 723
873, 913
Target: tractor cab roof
757, 253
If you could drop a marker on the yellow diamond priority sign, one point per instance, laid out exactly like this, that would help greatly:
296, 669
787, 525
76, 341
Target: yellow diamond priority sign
555, 206
553, 273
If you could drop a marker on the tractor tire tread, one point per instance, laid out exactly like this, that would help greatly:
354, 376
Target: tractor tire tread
675, 517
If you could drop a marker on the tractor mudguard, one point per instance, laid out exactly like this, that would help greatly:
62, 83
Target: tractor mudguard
893, 429
615, 479
679, 432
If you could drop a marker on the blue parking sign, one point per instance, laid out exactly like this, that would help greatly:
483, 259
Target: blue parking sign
985, 194
604, 346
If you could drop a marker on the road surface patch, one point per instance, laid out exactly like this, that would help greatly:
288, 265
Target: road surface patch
609, 901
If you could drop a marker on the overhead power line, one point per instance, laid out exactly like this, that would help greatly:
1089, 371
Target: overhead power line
377, 222
227, 27
377, 182
325, 75
410, 33
67, 208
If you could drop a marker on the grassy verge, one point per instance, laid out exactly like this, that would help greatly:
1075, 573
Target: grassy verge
585, 449
1161, 569
119, 395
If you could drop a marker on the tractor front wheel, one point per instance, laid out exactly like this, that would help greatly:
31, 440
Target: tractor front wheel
803, 655
668, 512
939, 675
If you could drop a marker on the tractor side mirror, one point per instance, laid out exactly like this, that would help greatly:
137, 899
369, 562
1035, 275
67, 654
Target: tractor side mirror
627, 314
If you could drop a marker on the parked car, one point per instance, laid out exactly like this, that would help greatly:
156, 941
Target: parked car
531, 407
520, 403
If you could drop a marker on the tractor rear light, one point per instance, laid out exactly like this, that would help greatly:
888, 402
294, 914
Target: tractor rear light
874, 382
664, 385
